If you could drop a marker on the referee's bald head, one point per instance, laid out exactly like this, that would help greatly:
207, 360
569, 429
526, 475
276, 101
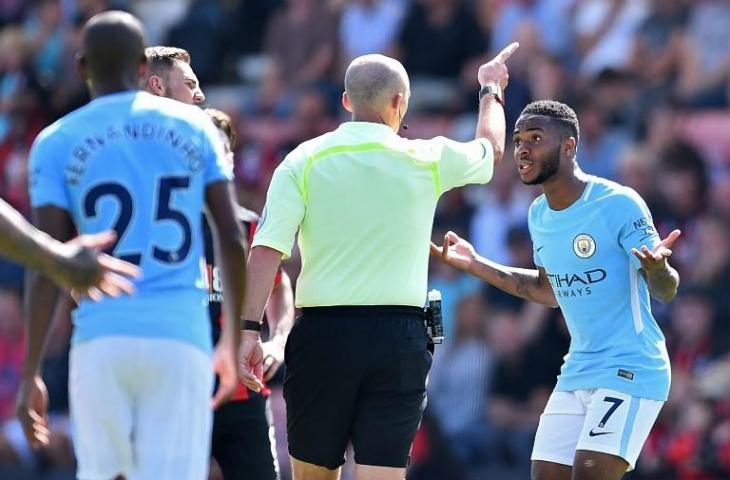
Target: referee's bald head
372, 81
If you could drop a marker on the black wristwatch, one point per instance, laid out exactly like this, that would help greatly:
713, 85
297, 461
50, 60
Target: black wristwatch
492, 89
252, 325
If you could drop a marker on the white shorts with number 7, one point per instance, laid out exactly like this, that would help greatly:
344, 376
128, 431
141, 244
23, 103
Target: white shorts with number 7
598, 420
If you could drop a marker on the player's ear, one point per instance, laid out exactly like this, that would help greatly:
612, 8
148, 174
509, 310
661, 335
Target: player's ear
155, 86
569, 146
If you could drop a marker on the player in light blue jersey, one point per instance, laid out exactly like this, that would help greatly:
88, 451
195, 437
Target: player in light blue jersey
599, 259
140, 372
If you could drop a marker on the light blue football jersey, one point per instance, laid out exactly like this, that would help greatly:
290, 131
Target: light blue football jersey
139, 164
586, 251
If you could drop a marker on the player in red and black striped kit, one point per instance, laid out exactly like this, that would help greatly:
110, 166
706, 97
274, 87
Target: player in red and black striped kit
243, 437
242, 442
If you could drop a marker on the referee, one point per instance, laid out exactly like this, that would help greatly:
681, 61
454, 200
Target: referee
362, 199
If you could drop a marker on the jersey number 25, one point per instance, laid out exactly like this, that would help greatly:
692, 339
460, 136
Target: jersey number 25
163, 211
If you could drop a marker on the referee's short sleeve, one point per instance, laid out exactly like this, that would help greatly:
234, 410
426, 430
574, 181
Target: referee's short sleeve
283, 212
464, 163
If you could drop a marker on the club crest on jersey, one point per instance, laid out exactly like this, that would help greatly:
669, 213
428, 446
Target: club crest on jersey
584, 246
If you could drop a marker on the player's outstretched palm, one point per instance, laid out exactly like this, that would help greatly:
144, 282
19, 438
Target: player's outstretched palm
455, 251
656, 259
32, 411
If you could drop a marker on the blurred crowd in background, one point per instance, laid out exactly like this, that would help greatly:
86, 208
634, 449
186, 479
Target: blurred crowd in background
649, 80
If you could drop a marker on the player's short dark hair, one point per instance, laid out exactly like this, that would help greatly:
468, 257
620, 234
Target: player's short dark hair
162, 58
223, 121
560, 112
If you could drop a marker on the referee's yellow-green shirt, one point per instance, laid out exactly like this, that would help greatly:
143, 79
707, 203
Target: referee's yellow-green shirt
363, 201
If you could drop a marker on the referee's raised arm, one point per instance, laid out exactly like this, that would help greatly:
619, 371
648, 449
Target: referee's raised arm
362, 200
493, 77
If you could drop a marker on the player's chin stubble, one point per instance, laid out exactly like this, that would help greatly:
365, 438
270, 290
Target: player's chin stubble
548, 168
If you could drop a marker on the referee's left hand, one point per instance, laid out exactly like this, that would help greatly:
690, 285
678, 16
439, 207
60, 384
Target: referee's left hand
252, 361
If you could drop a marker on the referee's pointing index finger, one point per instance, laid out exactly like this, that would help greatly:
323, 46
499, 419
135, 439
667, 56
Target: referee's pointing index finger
507, 52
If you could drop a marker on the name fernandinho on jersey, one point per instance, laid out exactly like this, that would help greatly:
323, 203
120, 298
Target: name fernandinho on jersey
142, 131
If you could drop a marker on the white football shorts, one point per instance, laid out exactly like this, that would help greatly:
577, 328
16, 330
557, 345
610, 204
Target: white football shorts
140, 408
598, 420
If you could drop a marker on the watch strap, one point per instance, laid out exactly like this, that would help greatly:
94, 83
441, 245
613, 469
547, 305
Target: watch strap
492, 89
252, 325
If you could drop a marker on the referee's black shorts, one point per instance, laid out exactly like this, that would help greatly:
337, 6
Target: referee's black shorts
355, 374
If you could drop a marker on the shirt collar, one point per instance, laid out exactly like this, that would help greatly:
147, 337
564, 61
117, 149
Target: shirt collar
366, 127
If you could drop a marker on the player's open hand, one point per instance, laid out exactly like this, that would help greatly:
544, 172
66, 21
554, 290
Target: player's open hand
251, 357
455, 251
224, 365
31, 409
656, 259
86, 271
495, 70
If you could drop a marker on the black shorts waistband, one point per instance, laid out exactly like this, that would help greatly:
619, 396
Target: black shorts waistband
366, 310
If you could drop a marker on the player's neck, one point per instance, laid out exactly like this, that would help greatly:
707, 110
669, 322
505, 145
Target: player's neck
99, 90
562, 191
371, 117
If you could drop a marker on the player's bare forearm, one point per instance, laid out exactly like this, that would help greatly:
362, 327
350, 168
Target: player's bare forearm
263, 263
663, 283
40, 303
491, 125
491, 122
531, 285
280, 309
23, 243
42, 293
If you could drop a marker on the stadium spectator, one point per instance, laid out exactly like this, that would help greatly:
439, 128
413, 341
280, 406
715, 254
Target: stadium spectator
458, 381
369, 26
704, 59
500, 207
438, 40
605, 32
301, 46
601, 143
656, 44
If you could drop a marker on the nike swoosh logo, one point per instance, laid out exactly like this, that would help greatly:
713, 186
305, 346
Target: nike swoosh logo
540, 248
596, 434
